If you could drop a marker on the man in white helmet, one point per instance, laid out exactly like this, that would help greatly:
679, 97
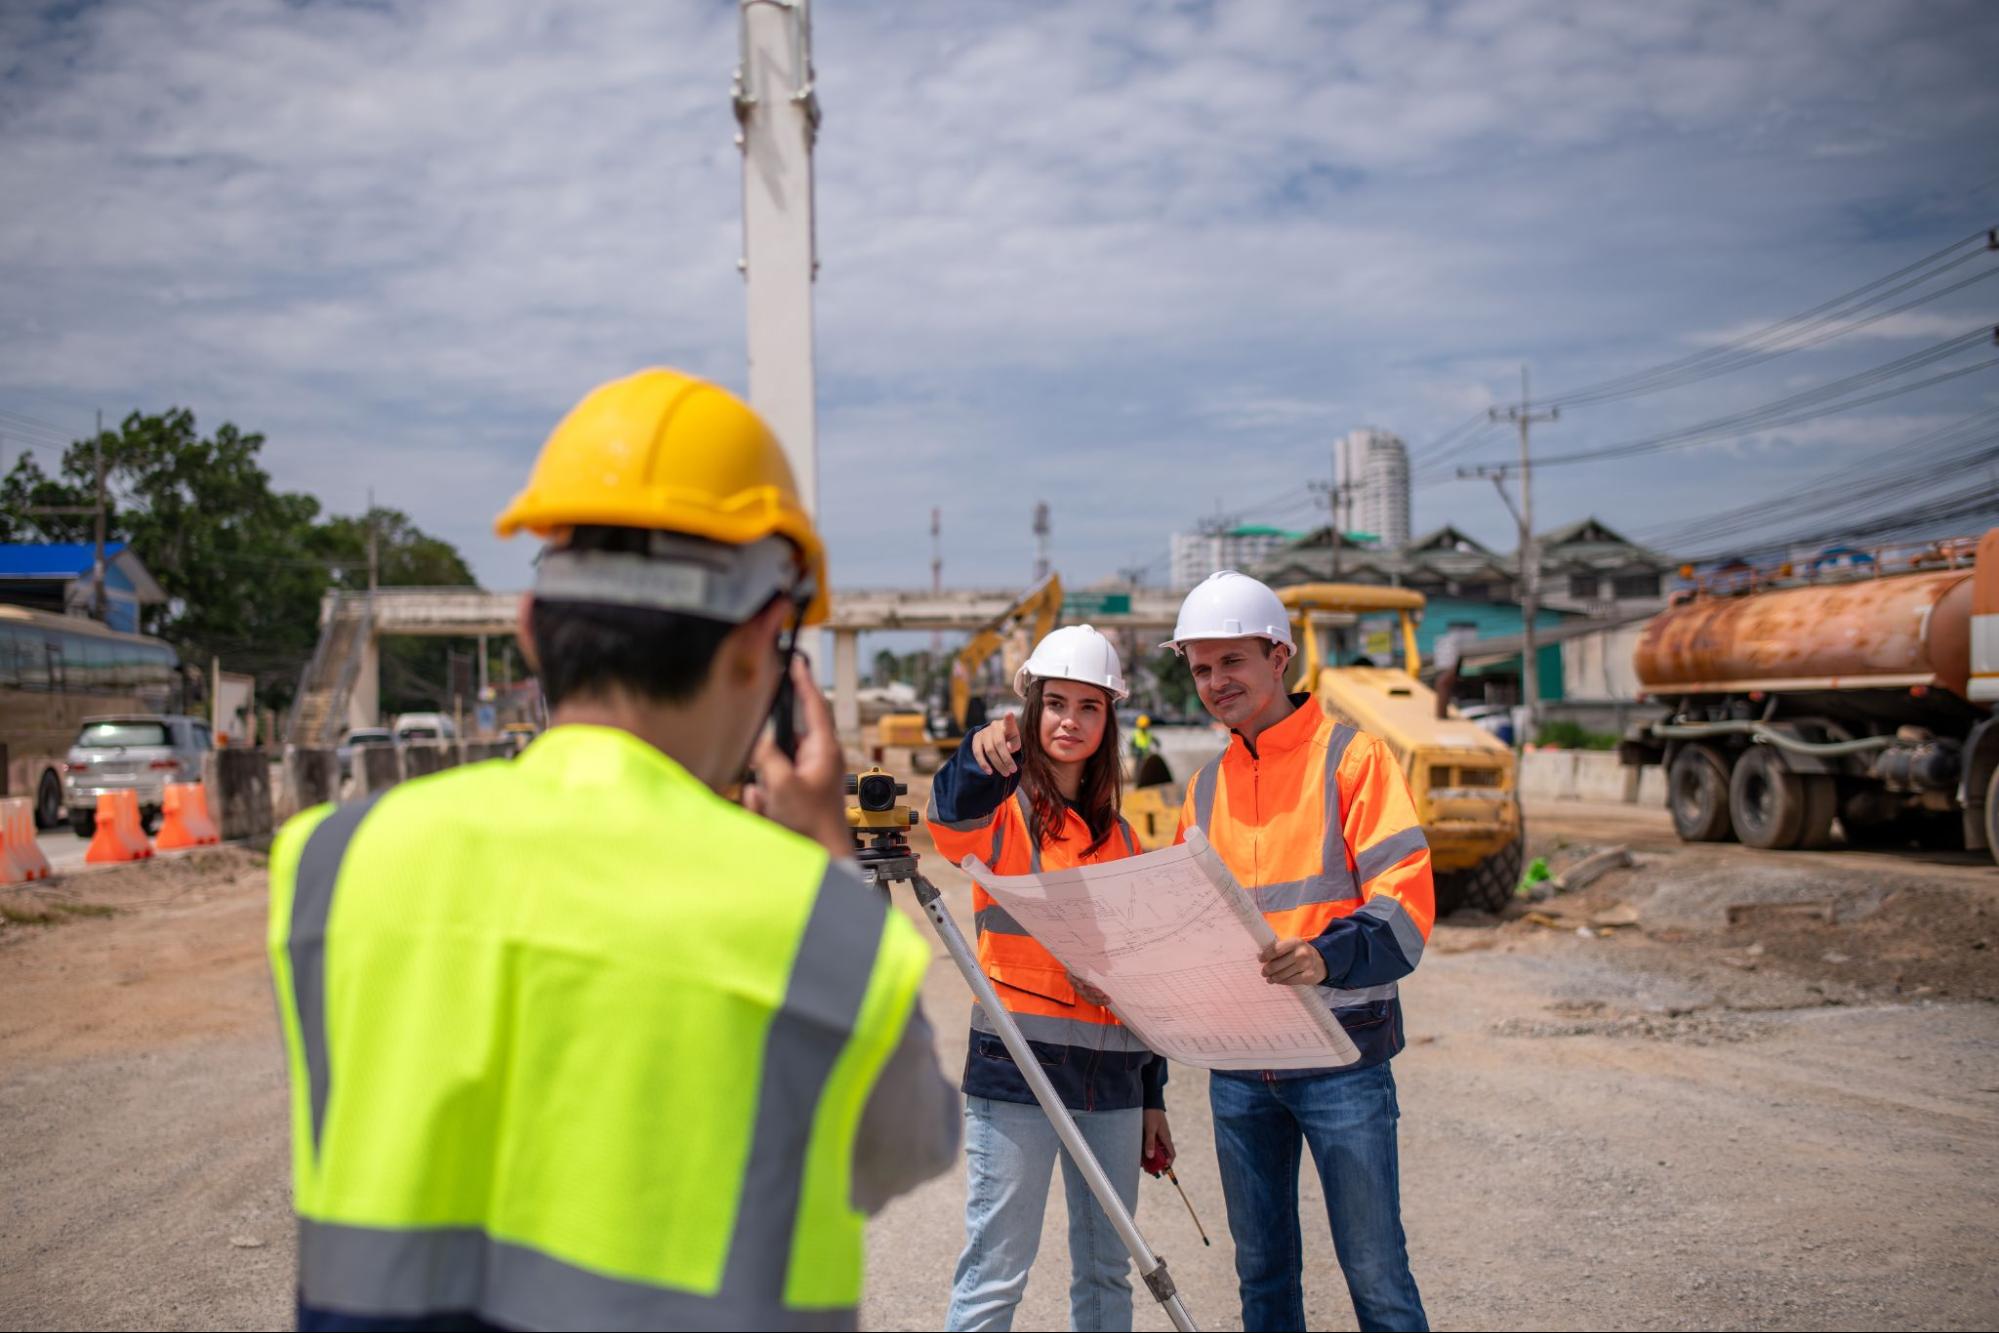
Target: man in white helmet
1315, 821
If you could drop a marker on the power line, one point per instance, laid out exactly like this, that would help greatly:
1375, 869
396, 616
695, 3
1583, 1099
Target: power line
1808, 405
1788, 335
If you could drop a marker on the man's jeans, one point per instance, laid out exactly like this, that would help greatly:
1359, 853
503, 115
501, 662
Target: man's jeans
1349, 1121
1010, 1154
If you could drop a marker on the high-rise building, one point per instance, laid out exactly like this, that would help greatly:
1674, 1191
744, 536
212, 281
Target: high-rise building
1199, 554
1373, 468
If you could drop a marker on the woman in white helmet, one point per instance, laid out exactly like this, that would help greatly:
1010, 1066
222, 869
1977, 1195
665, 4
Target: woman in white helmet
1030, 794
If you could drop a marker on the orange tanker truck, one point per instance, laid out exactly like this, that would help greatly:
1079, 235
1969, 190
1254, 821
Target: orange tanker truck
1797, 699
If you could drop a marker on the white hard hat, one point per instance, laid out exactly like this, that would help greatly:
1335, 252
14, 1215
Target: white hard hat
1228, 605
1074, 652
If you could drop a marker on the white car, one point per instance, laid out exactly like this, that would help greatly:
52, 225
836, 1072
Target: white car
424, 727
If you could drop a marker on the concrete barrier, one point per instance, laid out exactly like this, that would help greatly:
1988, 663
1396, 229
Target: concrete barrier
376, 768
312, 777
1588, 775
239, 793
422, 758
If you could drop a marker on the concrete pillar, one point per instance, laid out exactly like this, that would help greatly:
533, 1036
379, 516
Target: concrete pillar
847, 684
364, 705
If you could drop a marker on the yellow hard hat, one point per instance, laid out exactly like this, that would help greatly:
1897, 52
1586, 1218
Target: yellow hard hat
669, 451
1144, 721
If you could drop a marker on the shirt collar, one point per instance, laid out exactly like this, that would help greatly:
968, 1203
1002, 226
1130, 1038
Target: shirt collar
1289, 734
586, 755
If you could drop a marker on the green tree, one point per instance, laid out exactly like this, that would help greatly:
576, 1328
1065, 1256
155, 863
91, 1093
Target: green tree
243, 565
230, 552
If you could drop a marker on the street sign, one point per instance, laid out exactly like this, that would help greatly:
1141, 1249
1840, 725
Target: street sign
1083, 605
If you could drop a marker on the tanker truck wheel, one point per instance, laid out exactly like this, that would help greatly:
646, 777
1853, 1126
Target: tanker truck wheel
1697, 794
1766, 800
1992, 816
1487, 886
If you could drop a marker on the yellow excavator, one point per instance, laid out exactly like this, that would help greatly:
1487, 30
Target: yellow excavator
1463, 778
1039, 608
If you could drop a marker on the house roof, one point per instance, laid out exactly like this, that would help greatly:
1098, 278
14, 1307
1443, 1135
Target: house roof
73, 560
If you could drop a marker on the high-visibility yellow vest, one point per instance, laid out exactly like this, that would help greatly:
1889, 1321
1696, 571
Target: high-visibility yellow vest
576, 1043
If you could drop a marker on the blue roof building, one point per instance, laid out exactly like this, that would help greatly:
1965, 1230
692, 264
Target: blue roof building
57, 577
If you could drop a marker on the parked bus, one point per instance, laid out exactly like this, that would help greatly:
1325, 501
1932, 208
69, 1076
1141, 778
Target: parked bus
54, 672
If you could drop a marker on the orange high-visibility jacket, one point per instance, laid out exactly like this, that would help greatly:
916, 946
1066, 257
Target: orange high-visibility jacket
1318, 827
1095, 1062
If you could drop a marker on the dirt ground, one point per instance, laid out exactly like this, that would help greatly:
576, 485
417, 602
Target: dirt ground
1719, 1089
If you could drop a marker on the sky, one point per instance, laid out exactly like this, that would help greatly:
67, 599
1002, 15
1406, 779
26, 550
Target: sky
1143, 262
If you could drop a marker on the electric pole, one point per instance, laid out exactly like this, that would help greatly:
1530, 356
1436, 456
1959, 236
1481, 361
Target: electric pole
1523, 416
936, 571
1338, 499
374, 560
97, 564
1040, 540
95, 510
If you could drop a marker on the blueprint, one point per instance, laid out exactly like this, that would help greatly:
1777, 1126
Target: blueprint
1173, 940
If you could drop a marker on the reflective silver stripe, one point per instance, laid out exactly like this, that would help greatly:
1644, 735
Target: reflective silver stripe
1408, 938
1390, 851
1130, 839
1204, 794
407, 1274
1295, 893
996, 920
1027, 817
822, 1003
1333, 856
955, 825
1064, 1031
312, 902
999, 841
1348, 999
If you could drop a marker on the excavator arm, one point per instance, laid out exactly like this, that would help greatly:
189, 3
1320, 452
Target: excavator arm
1042, 602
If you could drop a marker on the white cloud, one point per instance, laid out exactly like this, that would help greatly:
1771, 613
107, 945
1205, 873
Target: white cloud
1133, 260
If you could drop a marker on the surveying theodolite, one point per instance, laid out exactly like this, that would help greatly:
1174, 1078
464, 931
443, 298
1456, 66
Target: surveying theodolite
881, 824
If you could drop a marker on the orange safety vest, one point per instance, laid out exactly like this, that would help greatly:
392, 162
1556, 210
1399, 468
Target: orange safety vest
1318, 825
1030, 981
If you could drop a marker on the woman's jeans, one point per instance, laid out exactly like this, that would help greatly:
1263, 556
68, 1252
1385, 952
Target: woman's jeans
1348, 1118
1010, 1156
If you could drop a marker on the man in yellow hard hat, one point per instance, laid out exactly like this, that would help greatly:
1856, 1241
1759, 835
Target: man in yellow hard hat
574, 1041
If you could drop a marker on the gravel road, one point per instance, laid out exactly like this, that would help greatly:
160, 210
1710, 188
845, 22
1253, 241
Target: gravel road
1641, 1127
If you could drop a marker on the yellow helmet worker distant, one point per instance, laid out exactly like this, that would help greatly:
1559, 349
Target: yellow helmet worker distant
668, 451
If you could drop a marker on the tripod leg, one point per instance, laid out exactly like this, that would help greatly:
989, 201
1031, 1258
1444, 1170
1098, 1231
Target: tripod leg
1150, 1266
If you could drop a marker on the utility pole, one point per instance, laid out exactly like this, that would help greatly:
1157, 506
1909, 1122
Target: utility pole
1530, 564
1338, 499
374, 559
97, 564
1040, 540
936, 572
96, 510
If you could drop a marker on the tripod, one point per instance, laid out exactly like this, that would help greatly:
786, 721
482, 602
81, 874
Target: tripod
886, 859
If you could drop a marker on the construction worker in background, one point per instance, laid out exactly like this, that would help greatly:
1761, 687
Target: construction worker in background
574, 1041
1141, 738
1448, 655
1041, 793
1315, 821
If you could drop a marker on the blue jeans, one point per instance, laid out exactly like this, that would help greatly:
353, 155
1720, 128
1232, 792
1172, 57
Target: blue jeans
1348, 1119
1010, 1154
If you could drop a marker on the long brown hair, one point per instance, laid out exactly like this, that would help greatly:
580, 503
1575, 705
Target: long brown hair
1097, 794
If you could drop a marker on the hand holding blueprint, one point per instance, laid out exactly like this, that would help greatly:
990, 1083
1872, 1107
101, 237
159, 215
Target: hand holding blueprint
1173, 940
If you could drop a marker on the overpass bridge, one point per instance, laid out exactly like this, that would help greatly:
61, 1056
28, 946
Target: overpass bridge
342, 685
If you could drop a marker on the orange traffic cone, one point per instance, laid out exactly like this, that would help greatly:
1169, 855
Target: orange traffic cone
177, 813
209, 832
130, 827
18, 823
108, 843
